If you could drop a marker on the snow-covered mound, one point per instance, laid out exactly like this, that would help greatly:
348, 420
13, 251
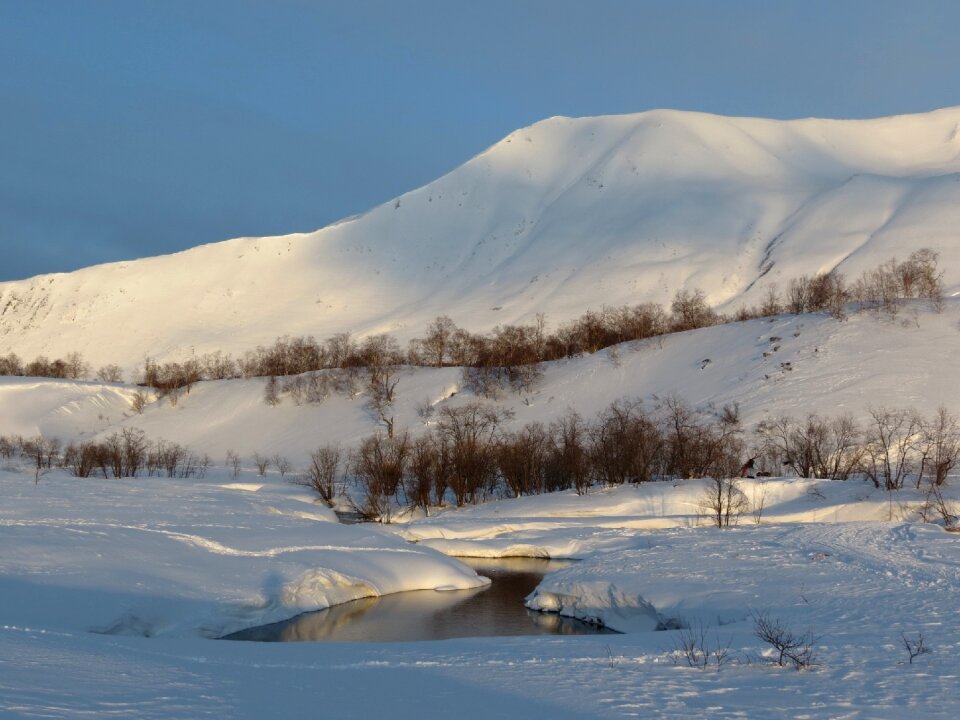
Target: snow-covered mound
558, 217
839, 578
164, 557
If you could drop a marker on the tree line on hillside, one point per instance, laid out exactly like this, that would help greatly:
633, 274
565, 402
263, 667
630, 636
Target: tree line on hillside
507, 356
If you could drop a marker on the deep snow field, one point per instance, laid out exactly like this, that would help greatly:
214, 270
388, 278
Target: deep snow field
112, 590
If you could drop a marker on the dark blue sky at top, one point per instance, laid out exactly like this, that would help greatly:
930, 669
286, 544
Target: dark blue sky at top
133, 128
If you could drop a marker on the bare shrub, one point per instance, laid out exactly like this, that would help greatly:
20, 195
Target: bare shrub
915, 646
271, 391
698, 445
522, 460
82, 460
689, 310
758, 501
793, 649
816, 447
935, 507
697, 649
625, 445
124, 453
139, 401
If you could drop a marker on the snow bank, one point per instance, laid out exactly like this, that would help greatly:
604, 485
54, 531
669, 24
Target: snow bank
566, 525
162, 557
849, 579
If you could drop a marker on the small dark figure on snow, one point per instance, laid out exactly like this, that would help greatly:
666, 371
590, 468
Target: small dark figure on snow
747, 468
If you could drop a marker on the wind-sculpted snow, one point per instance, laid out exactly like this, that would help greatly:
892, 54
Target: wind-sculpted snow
162, 557
562, 216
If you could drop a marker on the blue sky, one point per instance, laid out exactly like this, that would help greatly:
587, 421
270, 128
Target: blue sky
133, 128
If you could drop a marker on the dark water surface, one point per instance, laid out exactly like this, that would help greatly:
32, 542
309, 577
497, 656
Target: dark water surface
495, 610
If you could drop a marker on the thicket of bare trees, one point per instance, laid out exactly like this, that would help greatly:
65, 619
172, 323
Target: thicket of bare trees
894, 446
124, 454
469, 455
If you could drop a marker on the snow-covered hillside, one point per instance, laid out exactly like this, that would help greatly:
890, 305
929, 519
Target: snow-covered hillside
559, 217
792, 364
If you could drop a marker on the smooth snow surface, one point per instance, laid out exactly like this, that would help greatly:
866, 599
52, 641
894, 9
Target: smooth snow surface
562, 216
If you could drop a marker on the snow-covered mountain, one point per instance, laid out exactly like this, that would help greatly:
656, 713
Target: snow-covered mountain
559, 217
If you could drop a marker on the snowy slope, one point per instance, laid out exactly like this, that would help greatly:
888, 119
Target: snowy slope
558, 217
836, 366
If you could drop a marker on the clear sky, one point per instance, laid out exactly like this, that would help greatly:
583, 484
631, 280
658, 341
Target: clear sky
132, 128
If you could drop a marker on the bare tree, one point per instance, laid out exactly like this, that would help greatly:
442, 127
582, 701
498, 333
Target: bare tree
939, 446
382, 355
322, 471
110, 373
468, 433
426, 473
271, 391
281, 464
723, 501
891, 437
569, 464
233, 462
139, 401
436, 343
380, 464
689, 310
262, 462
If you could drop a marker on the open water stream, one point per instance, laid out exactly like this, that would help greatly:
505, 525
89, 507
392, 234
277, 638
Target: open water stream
494, 610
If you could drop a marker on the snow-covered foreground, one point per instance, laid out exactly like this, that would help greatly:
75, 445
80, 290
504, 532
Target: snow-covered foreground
181, 560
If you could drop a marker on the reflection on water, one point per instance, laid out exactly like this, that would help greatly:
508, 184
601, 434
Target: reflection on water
494, 610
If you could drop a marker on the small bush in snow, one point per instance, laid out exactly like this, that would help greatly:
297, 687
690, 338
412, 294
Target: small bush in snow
793, 649
698, 649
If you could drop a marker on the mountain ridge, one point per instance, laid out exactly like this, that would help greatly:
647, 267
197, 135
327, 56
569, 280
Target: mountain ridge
558, 217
